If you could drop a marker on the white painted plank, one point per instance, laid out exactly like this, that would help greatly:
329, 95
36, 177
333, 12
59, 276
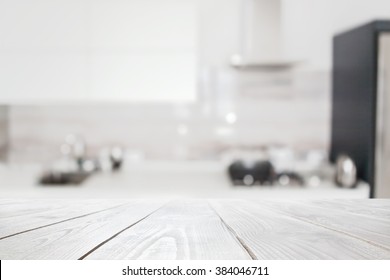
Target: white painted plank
273, 235
11, 208
22, 215
377, 209
383, 204
180, 230
369, 228
74, 238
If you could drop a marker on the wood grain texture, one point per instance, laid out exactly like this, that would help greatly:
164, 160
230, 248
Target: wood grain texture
272, 235
195, 229
369, 228
24, 215
74, 238
180, 230
373, 208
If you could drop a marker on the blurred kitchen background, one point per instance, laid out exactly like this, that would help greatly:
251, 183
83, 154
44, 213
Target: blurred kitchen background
200, 98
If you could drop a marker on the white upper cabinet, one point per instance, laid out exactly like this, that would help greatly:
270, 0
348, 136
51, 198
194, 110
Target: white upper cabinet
142, 24
39, 25
97, 50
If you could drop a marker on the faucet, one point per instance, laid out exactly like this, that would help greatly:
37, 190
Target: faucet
75, 148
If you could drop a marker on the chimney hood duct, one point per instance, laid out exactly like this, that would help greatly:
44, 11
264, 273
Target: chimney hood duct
261, 35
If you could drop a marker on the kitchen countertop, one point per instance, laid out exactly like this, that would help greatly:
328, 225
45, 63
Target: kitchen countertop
157, 179
194, 229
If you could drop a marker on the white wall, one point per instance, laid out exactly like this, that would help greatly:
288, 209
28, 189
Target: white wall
309, 25
72, 50
289, 107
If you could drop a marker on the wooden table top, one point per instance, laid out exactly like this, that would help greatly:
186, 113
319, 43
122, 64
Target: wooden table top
194, 229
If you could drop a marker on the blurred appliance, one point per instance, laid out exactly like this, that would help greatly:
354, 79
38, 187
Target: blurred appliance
248, 173
345, 172
63, 178
361, 103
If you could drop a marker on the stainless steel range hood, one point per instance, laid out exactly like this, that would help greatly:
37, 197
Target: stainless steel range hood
261, 36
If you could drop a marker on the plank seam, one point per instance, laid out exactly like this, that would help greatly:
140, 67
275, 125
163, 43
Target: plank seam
118, 233
341, 232
62, 221
345, 211
328, 228
245, 247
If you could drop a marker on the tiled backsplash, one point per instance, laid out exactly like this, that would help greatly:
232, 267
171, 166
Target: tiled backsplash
3, 132
290, 108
